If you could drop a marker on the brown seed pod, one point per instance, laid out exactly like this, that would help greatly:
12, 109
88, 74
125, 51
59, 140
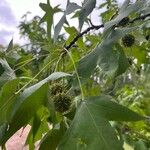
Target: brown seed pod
62, 102
128, 40
124, 22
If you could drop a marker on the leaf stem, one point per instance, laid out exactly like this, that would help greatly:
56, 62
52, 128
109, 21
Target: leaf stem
34, 77
80, 85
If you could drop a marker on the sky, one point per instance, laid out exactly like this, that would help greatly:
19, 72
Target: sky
11, 12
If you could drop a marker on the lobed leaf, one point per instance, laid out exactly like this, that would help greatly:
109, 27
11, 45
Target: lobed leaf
90, 128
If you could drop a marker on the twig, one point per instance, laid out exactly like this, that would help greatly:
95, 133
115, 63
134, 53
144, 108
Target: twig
90, 22
139, 18
21, 89
82, 33
94, 27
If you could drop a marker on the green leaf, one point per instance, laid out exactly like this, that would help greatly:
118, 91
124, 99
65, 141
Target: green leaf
39, 127
31, 90
13, 57
10, 46
110, 110
124, 5
24, 108
59, 26
71, 7
3, 129
28, 103
8, 74
102, 5
140, 54
87, 8
72, 33
124, 12
35, 127
90, 128
123, 62
104, 56
1, 69
52, 138
145, 10
140, 145
48, 17
55, 76
7, 96
90, 131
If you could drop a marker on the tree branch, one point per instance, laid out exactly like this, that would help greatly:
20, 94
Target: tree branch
139, 18
82, 33
93, 27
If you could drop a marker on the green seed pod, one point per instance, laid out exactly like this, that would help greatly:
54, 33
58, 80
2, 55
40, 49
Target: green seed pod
62, 102
124, 22
128, 40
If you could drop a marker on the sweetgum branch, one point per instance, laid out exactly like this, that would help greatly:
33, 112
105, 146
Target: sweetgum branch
82, 33
139, 18
93, 27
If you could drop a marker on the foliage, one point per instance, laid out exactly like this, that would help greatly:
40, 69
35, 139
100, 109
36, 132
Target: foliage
79, 89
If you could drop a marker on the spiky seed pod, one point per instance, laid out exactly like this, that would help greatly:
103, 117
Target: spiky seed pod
138, 71
130, 61
124, 22
128, 40
56, 88
62, 102
77, 92
147, 37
